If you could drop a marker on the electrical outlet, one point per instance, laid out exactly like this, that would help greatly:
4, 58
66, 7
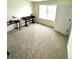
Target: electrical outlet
67, 31
69, 19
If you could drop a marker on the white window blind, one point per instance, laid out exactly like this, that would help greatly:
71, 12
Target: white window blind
47, 12
43, 11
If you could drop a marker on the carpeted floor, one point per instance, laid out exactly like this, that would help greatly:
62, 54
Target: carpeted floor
36, 42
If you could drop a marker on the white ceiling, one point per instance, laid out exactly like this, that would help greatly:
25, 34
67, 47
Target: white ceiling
50, 0
38, 0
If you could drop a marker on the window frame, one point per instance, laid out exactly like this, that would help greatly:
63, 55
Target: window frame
47, 12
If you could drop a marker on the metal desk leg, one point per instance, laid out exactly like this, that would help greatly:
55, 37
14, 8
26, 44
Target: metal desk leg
19, 26
26, 23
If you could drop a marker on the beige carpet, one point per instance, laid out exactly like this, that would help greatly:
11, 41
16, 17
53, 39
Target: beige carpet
36, 42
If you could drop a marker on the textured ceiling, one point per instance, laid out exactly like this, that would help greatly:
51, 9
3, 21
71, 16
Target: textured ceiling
50, 0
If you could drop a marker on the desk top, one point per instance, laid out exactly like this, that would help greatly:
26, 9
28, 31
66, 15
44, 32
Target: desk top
12, 22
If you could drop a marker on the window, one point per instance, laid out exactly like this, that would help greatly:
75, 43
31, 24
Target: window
47, 12
42, 11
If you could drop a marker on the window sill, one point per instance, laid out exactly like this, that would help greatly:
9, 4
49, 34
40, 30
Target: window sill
46, 19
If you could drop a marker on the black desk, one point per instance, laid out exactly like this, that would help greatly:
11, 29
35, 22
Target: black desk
14, 22
28, 19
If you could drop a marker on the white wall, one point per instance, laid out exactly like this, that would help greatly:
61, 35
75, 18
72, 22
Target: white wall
69, 46
11, 27
18, 8
62, 16
62, 23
